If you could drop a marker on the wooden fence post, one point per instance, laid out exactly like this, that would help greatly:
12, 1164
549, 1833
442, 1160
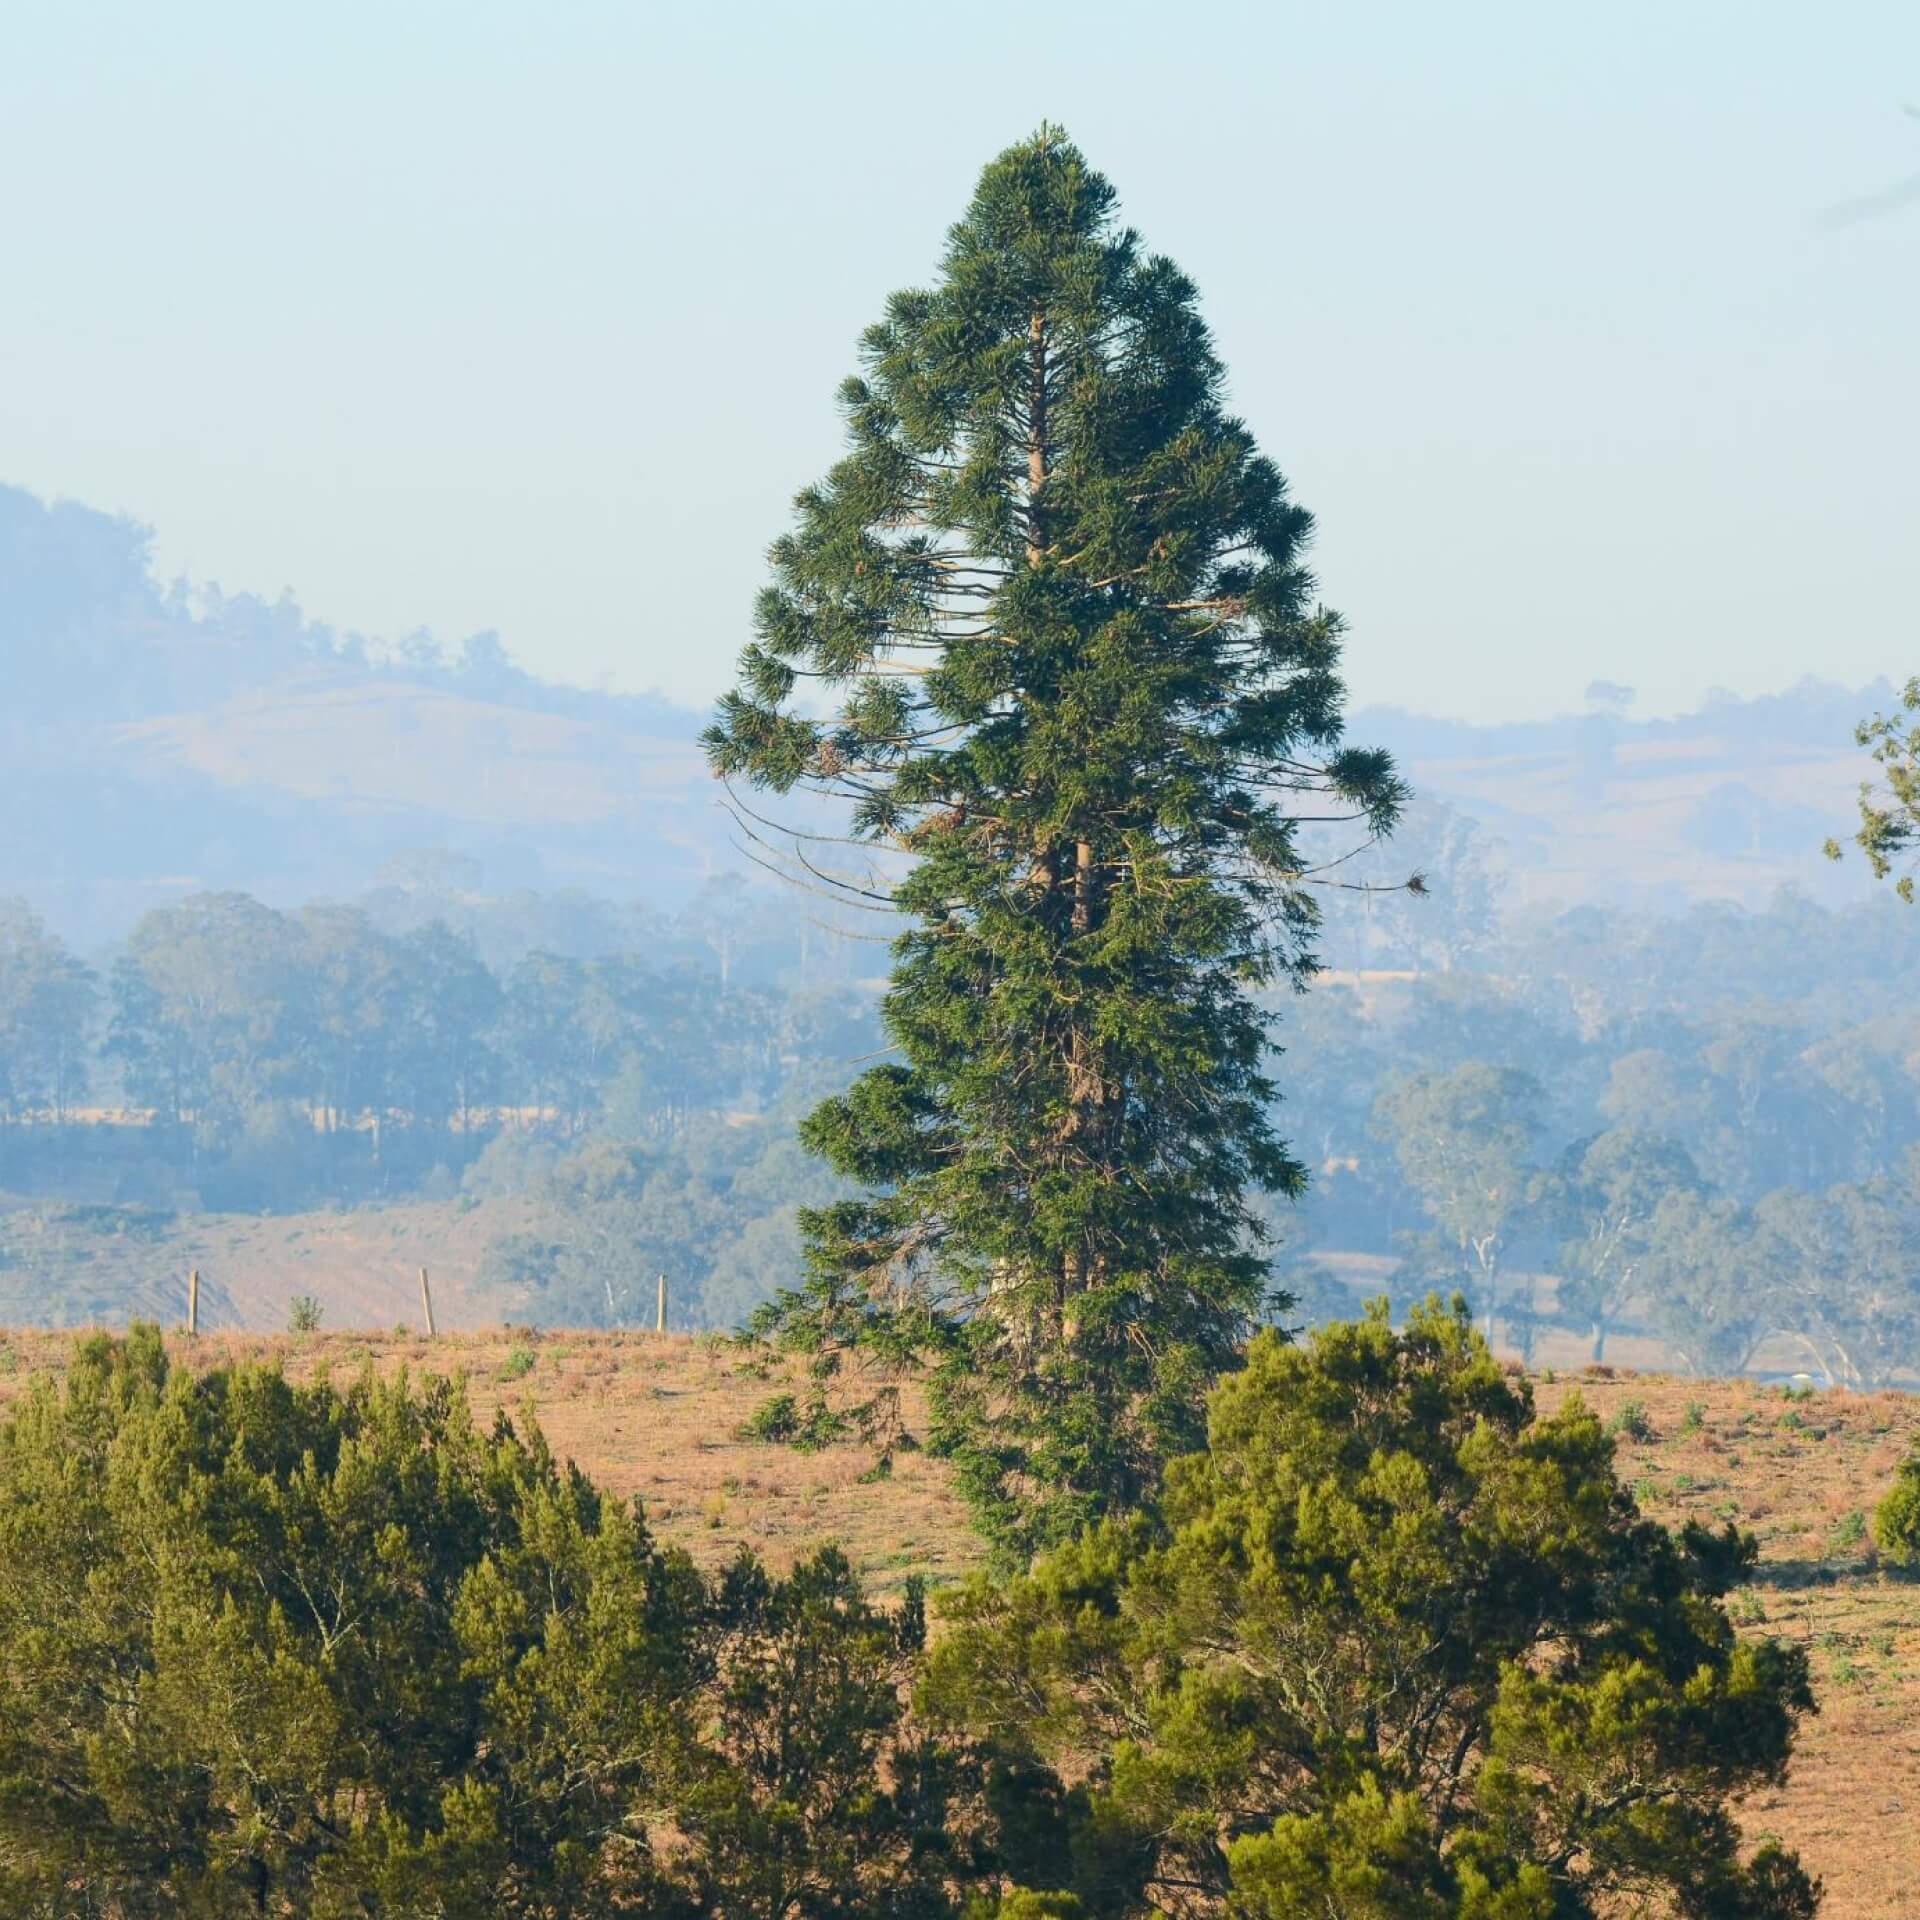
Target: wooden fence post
660, 1309
426, 1301
193, 1301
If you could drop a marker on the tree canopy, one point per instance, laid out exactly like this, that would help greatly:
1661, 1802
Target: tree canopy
304, 1651
1392, 1646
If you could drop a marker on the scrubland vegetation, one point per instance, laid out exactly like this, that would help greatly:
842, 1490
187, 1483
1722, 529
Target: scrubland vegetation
279, 1555
661, 1421
1357, 1623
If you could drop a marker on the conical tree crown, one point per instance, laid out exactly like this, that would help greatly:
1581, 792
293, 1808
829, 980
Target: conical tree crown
1081, 681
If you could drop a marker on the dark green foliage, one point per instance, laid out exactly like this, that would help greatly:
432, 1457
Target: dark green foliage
783, 1420
268, 1649
1896, 1520
1392, 1647
1085, 689
834, 1813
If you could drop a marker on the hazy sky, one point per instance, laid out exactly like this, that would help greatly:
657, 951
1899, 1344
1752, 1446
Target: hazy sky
529, 317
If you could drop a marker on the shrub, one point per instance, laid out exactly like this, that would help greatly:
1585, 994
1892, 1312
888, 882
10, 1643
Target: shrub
460, 1681
304, 1314
1896, 1520
520, 1362
1631, 1421
1848, 1533
1208, 1680
782, 1420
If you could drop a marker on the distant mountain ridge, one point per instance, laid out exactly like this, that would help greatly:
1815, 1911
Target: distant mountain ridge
159, 741
1732, 802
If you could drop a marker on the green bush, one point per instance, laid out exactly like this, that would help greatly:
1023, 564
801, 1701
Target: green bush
520, 1362
1896, 1520
1849, 1531
304, 1314
290, 1651
381, 1661
1631, 1421
782, 1420
1207, 1679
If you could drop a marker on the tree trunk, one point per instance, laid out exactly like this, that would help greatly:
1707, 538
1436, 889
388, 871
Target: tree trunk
1480, 1249
1036, 431
1083, 1079
1046, 872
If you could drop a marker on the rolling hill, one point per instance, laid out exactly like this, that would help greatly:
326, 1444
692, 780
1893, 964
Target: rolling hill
158, 741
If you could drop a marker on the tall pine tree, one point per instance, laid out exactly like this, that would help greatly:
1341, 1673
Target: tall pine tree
1057, 600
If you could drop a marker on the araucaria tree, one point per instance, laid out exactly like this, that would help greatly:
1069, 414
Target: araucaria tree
1056, 601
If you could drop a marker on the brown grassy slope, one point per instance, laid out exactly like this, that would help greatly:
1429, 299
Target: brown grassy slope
650, 1415
658, 1416
1804, 1476
362, 1263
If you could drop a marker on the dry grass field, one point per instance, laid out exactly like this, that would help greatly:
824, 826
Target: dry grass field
657, 1416
363, 1263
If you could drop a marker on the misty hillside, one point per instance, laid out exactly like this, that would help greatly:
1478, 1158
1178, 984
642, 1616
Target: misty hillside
160, 741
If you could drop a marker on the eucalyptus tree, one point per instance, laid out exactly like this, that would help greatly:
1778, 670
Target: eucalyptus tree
1604, 1195
1465, 1141
1889, 832
47, 1001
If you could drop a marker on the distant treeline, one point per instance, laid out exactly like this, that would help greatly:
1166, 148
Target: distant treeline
221, 1010
1670, 1114
1673, 1116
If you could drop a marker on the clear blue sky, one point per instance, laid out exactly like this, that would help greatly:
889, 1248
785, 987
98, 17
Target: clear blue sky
529, 317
